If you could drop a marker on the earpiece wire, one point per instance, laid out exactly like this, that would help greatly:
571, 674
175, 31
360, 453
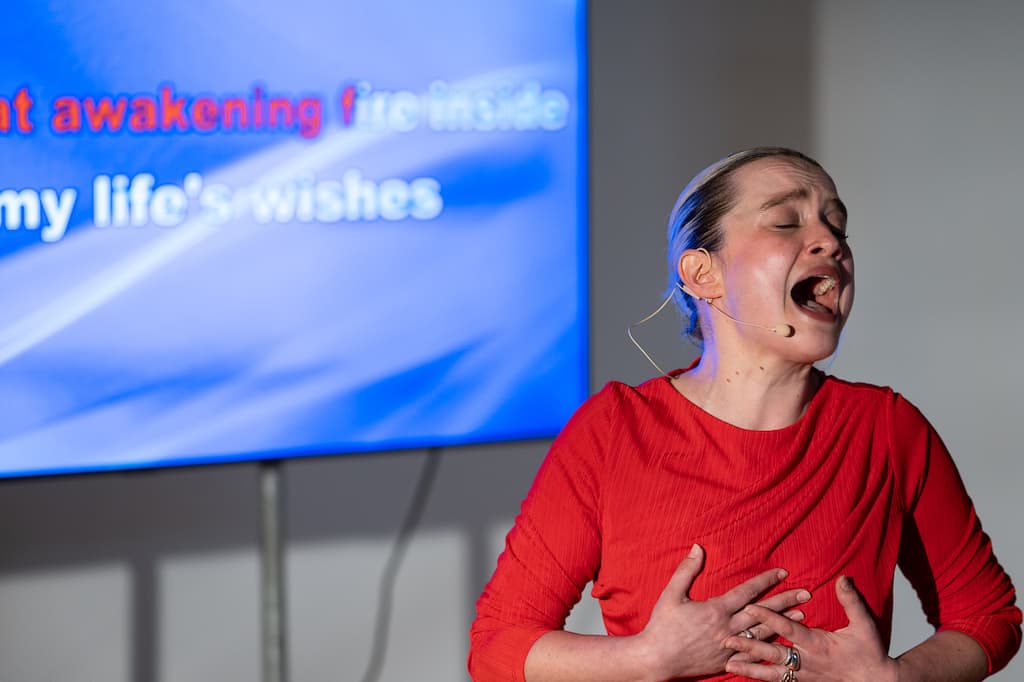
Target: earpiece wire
629, 333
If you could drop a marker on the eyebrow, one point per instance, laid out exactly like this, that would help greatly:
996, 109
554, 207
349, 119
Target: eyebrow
797, 195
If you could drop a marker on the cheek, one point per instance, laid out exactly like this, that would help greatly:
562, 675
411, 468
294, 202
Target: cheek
758, 269
762, 280
850, 288
771, 268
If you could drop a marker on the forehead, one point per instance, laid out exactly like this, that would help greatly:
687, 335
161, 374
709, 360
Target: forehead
775, 175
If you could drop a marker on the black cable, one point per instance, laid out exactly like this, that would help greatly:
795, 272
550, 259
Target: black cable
388, 579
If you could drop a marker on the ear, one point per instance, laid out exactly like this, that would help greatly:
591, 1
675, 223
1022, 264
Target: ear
698, 273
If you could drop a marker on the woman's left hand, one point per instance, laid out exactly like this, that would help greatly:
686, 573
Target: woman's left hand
853, 654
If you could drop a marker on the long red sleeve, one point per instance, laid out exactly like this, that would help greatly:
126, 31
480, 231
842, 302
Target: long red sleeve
550, 554
638, 475
945, 554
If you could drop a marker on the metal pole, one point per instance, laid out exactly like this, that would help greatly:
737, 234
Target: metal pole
272, 607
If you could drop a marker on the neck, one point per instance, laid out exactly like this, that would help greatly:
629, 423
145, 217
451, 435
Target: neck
751, 393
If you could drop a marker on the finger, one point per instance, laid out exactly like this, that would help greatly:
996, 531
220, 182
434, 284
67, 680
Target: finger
783, 626
678, 586
761, 657
753, 649
784, 600
746, 592
794, 615
762, 631
744, 657
754, 670
778, 603
851, 601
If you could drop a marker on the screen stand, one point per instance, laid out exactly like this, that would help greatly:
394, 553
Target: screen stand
272, 606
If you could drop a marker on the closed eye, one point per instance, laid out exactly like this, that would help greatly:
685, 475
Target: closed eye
836, 222
838, 232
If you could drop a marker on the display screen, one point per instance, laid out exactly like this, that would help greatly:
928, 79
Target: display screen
248, 230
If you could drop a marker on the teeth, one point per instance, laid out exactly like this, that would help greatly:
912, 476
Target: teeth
824, 286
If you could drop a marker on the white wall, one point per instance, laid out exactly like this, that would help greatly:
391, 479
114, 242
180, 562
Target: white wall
913, 106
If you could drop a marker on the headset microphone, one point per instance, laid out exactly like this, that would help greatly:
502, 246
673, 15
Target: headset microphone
785, 330
780, 329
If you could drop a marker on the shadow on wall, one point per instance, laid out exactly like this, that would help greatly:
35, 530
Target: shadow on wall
135, 519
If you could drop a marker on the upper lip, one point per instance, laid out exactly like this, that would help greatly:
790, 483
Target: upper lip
821, 271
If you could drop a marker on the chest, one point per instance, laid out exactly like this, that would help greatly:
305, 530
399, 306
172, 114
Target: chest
818, 506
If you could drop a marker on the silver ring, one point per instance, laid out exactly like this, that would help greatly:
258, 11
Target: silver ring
790, 676
747, 633
792, 661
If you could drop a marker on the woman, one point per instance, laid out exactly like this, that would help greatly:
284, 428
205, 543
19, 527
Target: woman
744, 518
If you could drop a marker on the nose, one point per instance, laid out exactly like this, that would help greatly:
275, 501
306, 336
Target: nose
824, 240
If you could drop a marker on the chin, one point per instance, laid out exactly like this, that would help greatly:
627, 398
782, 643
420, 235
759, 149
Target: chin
811, 350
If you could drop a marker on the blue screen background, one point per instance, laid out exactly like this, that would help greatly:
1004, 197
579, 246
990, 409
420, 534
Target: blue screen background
246, 338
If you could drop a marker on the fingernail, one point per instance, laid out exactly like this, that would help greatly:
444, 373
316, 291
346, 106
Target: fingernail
783, 573
845, 584
797, 616
803, 595
695, 551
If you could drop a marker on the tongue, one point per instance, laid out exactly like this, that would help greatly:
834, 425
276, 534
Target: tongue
816, 307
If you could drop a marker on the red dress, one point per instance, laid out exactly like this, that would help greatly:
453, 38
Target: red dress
860, 483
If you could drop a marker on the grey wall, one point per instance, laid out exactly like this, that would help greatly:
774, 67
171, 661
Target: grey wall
918, 109
914, 107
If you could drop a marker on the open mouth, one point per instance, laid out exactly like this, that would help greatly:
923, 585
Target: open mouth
817, 294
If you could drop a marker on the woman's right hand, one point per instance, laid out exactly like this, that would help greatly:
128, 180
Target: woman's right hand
684, 638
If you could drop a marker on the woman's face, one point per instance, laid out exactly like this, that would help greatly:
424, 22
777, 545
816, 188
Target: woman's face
784, 257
